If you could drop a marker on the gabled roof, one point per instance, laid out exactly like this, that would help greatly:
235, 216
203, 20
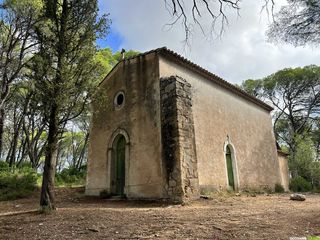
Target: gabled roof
173, 56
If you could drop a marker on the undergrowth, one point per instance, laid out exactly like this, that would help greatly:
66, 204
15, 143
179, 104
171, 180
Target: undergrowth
16, 182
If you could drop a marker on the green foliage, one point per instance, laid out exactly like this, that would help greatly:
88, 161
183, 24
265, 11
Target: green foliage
299, 184
131, 53
252, 87
71, 176
295, 95
313, 238
4, 166
16, 183
315, 175
300, 161
72, 148
106, 60
278, 188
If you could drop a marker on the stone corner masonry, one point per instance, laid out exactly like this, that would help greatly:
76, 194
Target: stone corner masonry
178, 139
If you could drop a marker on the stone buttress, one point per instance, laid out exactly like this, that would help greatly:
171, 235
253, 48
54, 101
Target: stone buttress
178, 139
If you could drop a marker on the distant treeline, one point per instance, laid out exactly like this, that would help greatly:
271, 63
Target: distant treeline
295, 95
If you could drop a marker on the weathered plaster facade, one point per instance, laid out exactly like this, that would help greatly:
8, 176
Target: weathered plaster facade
284, 170
178, 121
139, 119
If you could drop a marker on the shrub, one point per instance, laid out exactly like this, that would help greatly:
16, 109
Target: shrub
26, 167
278, 188
299, 184
16, 185
4, 166
71, 176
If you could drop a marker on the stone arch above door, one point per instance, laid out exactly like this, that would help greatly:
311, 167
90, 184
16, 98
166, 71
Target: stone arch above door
115, 134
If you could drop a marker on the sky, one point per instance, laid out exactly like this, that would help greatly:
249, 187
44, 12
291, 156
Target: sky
242, 52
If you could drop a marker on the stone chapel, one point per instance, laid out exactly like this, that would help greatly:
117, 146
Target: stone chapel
165, 128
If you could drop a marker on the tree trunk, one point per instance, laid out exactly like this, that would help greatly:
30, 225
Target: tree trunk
83, 151
17, 129
15, 140
1, 130
47, 191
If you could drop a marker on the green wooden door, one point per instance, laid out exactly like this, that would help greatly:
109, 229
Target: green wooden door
120, 166
230, 168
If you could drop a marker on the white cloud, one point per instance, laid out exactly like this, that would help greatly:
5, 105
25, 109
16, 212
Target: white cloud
241, 53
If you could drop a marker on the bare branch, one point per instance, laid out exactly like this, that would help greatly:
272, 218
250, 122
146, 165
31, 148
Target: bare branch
190, 17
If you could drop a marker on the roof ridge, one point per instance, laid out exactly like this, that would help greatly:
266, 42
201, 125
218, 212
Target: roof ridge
144, 53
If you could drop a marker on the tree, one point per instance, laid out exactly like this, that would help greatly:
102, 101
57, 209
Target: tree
295, 95
301, 163
64, 71
106, 60
17, 21
253, 87
297, 23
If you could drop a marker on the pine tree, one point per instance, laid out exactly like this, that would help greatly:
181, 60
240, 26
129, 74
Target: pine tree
64, 71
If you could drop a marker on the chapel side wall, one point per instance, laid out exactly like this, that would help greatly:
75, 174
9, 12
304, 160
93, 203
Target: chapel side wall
284, 170
218, 114
140, 118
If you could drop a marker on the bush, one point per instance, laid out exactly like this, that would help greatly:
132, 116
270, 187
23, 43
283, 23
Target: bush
18, 184
71, 176
4, 166
278, 188
299, 184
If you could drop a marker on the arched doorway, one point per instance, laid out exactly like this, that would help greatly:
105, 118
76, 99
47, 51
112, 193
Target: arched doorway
230, 168
118, 171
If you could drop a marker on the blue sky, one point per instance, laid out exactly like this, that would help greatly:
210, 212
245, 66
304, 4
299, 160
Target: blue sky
241, 53
113, 40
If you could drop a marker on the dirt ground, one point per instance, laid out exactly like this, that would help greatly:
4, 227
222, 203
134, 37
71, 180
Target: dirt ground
223, 217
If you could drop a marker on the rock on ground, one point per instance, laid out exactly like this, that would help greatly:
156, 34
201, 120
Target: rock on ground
297, 197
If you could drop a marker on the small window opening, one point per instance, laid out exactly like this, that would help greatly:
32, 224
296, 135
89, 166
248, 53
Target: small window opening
119, 99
